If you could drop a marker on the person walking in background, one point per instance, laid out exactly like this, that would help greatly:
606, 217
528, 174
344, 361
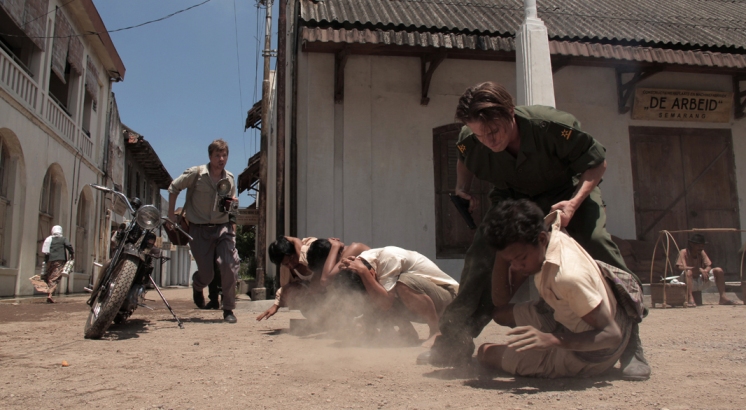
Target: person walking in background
56, 249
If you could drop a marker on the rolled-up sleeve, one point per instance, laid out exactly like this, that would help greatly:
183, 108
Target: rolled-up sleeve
593, 157
183, 181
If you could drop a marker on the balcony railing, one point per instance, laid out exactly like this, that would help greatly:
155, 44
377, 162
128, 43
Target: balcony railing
20, 85
85, 145
17, 82
59, 119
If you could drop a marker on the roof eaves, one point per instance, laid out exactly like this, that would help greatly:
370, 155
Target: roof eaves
146, 156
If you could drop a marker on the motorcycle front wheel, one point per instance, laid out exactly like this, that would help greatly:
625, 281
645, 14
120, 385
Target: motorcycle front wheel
108, 302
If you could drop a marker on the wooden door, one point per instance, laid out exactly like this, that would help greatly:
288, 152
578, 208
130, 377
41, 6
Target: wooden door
685, 179
452, 236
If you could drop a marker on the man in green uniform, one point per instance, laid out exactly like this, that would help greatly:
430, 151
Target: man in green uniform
536, 153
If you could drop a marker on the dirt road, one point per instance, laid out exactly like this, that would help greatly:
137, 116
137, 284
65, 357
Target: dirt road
698, 356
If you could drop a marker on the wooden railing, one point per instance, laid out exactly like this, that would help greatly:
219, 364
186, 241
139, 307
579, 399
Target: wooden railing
24, 88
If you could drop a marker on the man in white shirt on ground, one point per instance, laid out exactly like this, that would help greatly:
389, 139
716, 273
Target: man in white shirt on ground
405, 284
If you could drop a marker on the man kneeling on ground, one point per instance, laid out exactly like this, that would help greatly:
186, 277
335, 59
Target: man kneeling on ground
405, 285
577, 328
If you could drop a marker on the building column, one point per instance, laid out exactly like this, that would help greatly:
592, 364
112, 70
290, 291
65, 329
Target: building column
534, 82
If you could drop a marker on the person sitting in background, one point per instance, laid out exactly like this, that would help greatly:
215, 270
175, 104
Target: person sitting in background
405, 286
697, 271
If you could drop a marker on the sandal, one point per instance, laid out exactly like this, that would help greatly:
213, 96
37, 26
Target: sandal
728, 302
691, 305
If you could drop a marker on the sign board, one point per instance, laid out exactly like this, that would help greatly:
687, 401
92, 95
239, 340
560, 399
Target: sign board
682, 105
247, 217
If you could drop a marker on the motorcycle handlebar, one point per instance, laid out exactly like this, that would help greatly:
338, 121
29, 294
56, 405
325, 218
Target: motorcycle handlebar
175, 225
126, 201
117, 193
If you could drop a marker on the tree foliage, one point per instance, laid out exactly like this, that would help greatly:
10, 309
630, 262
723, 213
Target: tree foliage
245, 239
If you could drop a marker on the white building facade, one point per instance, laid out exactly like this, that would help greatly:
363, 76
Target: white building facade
371, 98
55, 103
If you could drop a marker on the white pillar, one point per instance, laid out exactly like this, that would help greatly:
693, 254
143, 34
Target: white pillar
533, 64
174, 267
186, 267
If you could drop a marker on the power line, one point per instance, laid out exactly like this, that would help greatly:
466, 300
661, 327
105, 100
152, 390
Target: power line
160, 19
94, 33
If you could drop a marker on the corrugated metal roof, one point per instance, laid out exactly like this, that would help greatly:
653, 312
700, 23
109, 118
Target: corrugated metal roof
497, 43
403, 38
688, 23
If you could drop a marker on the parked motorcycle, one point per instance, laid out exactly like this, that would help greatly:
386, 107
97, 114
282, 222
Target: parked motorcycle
122, 283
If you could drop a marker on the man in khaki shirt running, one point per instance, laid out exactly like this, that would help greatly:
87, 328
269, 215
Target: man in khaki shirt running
213, 233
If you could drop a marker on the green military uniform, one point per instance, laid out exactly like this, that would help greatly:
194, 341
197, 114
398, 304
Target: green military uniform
553, 152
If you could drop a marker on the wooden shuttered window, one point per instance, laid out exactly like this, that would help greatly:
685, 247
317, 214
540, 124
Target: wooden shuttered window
62, 31
91, 79
15, 9
35, 21
66, 48
452, 236
30, 17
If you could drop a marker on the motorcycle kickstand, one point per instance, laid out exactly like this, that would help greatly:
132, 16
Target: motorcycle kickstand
157, 289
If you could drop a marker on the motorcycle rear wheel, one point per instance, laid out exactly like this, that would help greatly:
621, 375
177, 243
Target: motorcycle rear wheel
107, 304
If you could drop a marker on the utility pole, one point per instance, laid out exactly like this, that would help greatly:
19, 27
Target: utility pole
260, 292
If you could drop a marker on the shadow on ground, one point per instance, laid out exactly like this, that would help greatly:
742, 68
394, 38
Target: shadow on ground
186, 320
130, 329
528, 386
478, 377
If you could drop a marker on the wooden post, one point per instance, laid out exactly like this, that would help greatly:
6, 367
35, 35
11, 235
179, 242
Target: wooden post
281, 75
260, 292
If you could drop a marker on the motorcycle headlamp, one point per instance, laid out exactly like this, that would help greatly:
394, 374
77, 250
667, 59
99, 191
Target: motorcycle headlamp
148, 217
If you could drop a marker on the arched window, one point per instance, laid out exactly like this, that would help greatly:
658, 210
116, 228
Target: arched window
81, 234
4, 159
4, 199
